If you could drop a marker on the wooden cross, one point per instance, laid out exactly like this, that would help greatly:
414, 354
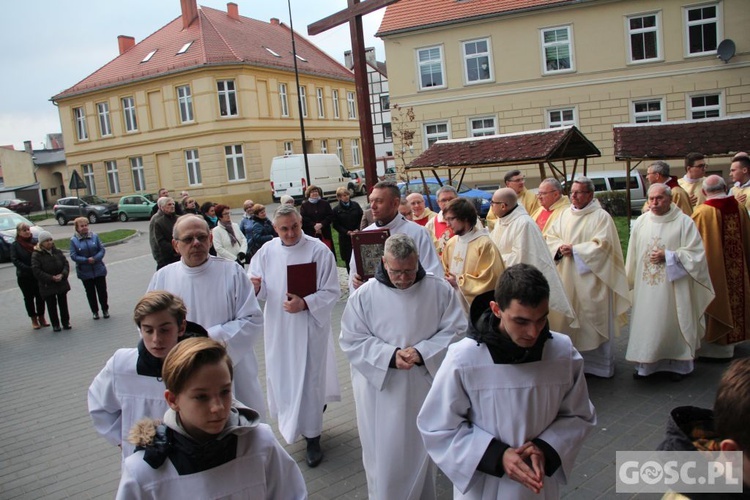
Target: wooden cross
353, 15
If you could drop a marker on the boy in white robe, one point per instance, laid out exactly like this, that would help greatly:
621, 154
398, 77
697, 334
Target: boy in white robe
509, 408
394, 357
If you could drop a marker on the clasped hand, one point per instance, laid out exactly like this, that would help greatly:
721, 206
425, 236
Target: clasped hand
407, 358
516, 463
294, 303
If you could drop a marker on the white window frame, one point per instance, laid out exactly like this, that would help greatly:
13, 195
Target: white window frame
324, 146
193, 167
185, 103
719, 21
105, 124
562, 122
303, 99
429, 62
648, 115
351, 106
630, 32
113, 176
355, 152
477, 55
226, 91
129, 115
284, 100
336, 107
484, 130
288, 148
82, 131
704, 109
389, 135
385, 102
340, 149
87, 171
545, 45
431, 137
321, 103
139, 176
235, 160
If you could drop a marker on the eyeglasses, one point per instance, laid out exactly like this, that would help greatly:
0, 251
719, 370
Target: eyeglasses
188, 240
493, 202
700, 165
544, 193
402, 272
520, 179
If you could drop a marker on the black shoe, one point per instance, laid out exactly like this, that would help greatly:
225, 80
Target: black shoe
314, 454
106, 314
96, 315
56, 328
638, 376
67, 327
676, 377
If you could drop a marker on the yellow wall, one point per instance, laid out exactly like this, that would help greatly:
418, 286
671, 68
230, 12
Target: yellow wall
18, 168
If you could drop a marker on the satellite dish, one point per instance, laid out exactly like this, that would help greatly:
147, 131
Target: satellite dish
726, 49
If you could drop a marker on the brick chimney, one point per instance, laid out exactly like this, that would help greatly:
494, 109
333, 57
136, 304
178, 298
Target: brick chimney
189, 12
125, 43
27, 147
232, 11
348, 59
275, 21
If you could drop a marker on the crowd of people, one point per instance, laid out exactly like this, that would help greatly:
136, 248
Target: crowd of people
512, 315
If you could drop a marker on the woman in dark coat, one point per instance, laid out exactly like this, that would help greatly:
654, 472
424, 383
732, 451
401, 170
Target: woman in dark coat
346, 219
20, 255
87, 251
317, 216
262, 230
51, 271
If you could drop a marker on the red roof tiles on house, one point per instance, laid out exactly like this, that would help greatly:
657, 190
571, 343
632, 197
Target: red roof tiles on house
711, 137
216, 39
407, 15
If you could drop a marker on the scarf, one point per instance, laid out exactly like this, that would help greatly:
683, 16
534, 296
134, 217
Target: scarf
26, 243
230, 230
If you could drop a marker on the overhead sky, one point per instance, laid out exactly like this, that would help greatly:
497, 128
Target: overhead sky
47, 46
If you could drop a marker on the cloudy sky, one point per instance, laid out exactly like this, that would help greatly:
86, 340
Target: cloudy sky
50, 45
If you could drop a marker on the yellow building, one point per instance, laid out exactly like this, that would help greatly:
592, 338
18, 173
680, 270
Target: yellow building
487, 67
203, 105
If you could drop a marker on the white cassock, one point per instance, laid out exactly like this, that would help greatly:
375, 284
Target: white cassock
377, 320
300, 362
428, 257
119, 397
219, 297
520, 241
474, 400
669, 298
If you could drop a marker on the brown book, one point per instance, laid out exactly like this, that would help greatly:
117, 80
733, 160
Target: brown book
368, 248
302, 279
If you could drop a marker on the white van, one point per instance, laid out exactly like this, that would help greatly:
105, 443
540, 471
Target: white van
615, 180
288, 175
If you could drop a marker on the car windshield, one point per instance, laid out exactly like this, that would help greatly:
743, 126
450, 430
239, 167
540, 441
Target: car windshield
94, 200
10, 221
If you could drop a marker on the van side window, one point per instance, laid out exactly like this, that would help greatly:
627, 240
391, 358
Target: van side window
599, 185
618, 183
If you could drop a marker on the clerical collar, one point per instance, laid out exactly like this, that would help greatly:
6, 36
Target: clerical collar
691, 180
293, 244
379, 223
510, 211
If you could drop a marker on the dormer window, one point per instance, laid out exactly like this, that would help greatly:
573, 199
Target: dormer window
185, 47
270, 51
300, 58
149, 56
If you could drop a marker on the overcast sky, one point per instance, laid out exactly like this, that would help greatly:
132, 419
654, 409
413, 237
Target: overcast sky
47, 46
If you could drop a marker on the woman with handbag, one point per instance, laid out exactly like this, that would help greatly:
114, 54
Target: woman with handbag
317, 216
51, 271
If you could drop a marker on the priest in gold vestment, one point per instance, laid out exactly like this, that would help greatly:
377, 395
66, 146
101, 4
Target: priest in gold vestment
517, 182
692, 181
740, 174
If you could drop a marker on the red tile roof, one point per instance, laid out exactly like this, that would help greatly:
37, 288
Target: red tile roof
217, 39
407, 15
507, 149
711, 137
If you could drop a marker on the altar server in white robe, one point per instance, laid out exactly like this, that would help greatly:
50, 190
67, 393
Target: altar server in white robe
384, 201
509, 408
520, 241
395, 331
218, 297
298, 337
668, 272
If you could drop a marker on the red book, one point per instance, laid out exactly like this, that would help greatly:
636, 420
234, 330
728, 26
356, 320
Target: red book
302, 279
368, 248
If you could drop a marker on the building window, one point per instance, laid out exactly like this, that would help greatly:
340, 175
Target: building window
185, 101
324, 146
479, 127
557, 50
227, 98
235, 162
193, 164
355, 152
105, 126
430, 62
648, 111
387, 132
561, 117
87, 170
704, 106
113, 177
385, 102
703, 29
303, 100
82, 131
477, 61
128, 112
139, 179
351, 105
284, 100
288, 148
340, 149
434, 132
335, 97
643, 34
321, 106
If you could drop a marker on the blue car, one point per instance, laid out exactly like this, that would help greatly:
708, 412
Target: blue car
480, 198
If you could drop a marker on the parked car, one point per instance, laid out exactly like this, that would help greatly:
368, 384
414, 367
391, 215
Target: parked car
90, 206
18, 206
8, 222
480, 198
614, 180
135, 206
357, 183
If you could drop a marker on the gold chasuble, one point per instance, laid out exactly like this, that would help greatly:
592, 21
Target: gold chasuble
725, 229
738, 191
693, 187
475, 261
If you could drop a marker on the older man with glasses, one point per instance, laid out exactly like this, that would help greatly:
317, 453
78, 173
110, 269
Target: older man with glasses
552, 202
658, 173
517, 182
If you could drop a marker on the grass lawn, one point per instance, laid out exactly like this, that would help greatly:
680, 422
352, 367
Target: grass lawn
105, 237
623, 230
